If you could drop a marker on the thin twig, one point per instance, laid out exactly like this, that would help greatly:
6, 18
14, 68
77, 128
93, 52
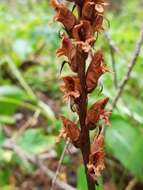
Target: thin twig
111, 43
29, 123
130, 68
112, 53
113, 50
59, 165
11, 145
132, 184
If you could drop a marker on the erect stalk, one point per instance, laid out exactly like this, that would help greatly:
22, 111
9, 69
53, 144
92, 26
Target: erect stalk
76, 46
85, 139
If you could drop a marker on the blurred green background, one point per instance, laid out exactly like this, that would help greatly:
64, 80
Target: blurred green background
31, 101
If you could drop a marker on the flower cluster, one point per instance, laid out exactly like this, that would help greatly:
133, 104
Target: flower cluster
77, 46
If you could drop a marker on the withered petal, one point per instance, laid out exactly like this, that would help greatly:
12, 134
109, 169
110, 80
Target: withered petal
97, 156
71, 87
64, 15
95, 70
95, 112
71, 130
82, 31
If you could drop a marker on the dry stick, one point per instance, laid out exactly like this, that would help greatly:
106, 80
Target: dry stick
113, 49
132, 184
11, 145
59, 165
29, 123
130, 68
111, 42
112, 53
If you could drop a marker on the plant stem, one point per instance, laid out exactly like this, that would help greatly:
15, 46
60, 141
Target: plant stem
85, 139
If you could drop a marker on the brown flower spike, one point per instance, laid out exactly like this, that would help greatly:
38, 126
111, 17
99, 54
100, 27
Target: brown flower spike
77, 46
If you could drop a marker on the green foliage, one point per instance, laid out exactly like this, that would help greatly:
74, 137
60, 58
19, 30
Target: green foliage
34, 141
81, 180
125, 143
23, 31
10, 92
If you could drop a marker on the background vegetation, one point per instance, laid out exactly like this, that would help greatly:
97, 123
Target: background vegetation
30, 99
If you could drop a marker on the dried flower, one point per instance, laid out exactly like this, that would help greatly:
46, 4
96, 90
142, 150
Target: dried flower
96, 112
64, 15
96, 158
94, 11
70, 130
71, 87
95, 70
77, 44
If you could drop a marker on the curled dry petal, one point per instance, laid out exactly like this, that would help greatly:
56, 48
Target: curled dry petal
66, 47
70, 130
99, 8
93, 11
64, 15
96, 112
88, 11
96, 158
82, 31
83, 34
69, 50
71, 87
99, 23
95, 70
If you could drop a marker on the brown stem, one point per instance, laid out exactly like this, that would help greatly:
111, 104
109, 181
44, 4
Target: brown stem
85, 139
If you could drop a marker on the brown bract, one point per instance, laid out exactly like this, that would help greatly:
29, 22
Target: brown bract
64, 15
95, 70
70, 51
96, 158
83, 34
71, 87
70, 130
97, 112
66, 47
82, 31
93, 11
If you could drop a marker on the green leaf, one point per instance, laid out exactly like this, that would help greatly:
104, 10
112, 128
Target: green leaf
2, 137
81, 179
125, 142
34, 141
5, 119
11, 92
4, 176
100, 184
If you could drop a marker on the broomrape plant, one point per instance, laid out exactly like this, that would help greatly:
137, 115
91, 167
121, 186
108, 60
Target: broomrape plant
77, 44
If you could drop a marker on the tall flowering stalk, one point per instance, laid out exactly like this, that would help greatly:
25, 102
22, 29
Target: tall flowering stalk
77, 46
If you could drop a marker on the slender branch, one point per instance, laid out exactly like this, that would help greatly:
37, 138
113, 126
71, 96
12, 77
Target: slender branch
130, 68
132, 184
113, 50
59, 165
111, 43
29, 123
11, 145
112, 53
